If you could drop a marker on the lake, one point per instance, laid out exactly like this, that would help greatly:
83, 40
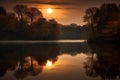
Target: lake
58, 60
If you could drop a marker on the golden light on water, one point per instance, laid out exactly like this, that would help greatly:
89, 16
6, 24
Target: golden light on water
49, 10
49, 63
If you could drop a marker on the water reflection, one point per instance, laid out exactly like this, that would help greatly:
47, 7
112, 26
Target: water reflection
103, 61
61, 61
26, 60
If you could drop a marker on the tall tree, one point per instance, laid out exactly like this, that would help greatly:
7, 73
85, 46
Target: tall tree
91, 17
2, 11
20, 10
34, 13
98, 18
3, 17
108, 12
21, 13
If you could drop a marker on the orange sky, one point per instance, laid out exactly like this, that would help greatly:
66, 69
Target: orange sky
64, 11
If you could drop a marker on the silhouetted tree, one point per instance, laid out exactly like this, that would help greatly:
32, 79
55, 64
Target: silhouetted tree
34, 13
21, 11
3, 18
12, 22
54, 29
99, 18
107, 13
2, 11
14, 25
91, 17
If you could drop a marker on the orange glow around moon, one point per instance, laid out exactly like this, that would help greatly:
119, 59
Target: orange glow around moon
49, 63
49, 10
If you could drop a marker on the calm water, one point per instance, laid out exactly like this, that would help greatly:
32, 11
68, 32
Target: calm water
59, 61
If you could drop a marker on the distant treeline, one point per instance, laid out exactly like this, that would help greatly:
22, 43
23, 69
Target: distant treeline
26, 23
74, 32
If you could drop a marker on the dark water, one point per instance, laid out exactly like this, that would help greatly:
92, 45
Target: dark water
59, 61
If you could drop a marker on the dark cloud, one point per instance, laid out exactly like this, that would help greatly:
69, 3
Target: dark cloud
61, 2
51, 3
61, 8
65, 8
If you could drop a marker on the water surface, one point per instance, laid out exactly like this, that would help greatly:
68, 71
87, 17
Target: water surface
59, 61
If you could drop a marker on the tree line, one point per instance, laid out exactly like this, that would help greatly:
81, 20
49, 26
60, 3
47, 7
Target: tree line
26, 23
104, 22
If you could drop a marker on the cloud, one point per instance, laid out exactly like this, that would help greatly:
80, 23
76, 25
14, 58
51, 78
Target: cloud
60, 2
65, 8
51, 3
61, 8
38, 2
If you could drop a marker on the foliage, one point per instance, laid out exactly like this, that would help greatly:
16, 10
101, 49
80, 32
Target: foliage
103, 21
26, 23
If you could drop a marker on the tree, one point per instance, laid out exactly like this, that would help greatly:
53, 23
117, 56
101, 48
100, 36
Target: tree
99, 19
32, 13
20, 10
54, 29
12, 22
113, 29
3, 17
2, 11
91, 17
107, 13
21, 14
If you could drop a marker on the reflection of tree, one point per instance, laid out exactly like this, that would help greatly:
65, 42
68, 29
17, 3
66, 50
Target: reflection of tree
105, 64
28, 67
89, 65
26, 60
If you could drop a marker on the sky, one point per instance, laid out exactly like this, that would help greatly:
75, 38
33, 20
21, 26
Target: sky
64, 11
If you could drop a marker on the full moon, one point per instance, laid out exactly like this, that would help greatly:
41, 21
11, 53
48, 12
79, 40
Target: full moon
49, 10
49, 63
